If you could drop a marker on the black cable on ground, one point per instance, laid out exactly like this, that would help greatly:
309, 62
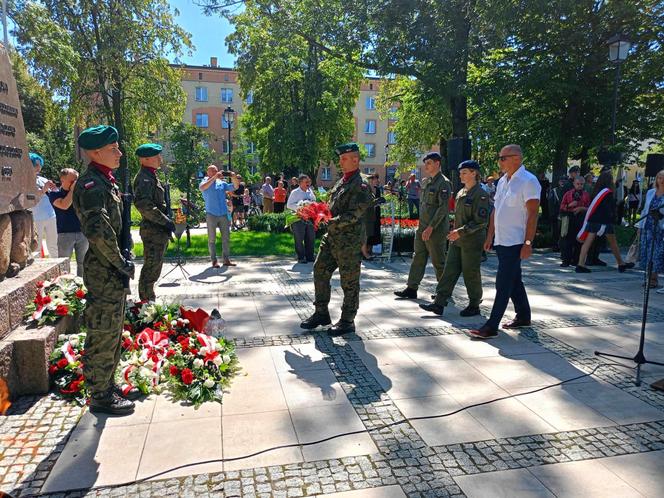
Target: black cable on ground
344, 434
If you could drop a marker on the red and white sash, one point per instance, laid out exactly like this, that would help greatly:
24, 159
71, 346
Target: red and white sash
583, 233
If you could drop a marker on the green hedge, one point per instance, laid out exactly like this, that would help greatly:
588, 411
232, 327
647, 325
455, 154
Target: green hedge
270, 222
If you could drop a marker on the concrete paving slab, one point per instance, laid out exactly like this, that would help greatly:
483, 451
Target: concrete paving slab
643, 472
503, 484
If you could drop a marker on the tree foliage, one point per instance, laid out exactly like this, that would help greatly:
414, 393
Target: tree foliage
303, 97
191, 155
107, 57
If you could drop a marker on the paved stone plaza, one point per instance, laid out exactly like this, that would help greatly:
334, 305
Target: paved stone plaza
597, 435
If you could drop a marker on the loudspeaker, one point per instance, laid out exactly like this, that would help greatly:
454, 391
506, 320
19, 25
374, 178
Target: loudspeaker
654, 164
458, 150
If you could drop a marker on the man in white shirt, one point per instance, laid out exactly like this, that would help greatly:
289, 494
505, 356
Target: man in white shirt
303, 231
267, 192
43, 214
513, 222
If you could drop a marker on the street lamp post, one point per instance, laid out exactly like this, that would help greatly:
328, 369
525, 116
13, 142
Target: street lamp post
619, 47
229, 116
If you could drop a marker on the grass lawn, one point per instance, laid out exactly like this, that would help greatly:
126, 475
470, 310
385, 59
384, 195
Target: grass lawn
243, 243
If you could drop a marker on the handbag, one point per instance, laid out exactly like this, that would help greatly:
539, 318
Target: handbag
633, 253
564, 225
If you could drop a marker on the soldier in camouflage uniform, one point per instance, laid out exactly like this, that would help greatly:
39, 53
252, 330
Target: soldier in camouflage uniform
341, 245
98, 205
471, 218
431, 235
156, 226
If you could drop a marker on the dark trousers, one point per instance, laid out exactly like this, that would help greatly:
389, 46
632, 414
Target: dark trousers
570, 248
413, 204
304, 240
509, 286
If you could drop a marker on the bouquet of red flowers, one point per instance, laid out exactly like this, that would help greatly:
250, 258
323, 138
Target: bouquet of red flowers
66, 369
314, 212
54, 299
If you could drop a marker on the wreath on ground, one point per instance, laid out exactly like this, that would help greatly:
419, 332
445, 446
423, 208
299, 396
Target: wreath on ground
165, 347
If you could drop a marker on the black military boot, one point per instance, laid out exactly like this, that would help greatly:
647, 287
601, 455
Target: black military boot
407, 293
342, 327
318, 318
433, 308
110, 402
470, 311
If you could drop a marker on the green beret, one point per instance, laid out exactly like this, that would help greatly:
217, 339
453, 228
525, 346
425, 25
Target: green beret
345, 148
97, 137
34, 157
148, 150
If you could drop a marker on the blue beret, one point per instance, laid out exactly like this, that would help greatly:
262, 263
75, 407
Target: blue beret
434, 156
34, 157
148, 150
97, 137
470, 164
345, 148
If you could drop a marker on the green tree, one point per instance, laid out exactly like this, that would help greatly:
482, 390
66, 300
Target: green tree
303, 97
106, 58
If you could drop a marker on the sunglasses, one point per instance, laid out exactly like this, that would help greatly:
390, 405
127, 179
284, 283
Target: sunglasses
503, 158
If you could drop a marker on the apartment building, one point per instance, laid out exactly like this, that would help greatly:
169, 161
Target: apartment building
211, 89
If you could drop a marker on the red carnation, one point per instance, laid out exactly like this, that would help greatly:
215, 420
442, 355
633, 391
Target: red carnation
52, 369
40, 284
170, 352
80, 294
194, 351
187, 376
62, 309
126, 343
46, 299
62, 363
173, 370
158, 325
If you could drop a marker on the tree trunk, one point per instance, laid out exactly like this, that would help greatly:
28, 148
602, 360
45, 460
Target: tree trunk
563, 143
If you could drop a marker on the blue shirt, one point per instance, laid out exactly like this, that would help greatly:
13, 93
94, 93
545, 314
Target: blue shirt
66, 219
215, 197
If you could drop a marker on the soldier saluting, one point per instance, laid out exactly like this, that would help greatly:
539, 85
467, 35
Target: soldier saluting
341, 245
98, 205
471, 217
430, 238
156, 226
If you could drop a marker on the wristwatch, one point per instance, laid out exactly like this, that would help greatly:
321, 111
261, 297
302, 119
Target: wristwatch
527, 242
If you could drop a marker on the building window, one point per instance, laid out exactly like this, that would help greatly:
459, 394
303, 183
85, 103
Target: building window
371, 150
205, 144
225, 77
251, 148
227, 95
391, 137
250, 97
371, 103
201, 94
326, 174
370, 126
369, 171
200, 76
370, 86
224, 123
224, 146
202, 120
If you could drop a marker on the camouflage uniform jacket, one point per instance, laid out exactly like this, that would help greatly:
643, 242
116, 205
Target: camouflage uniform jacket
434, 203
349, 201
98, 205
471, 215
150, 200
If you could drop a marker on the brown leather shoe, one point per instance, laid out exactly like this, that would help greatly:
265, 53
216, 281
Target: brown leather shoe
215, 264
227, 262
516, 323
483, 332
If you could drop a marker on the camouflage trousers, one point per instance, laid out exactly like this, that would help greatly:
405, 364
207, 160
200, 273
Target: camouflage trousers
347, 257
462, 260
104, 319
154, 248
436, 247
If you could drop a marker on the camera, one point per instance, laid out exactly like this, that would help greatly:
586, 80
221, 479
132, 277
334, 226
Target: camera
226, 173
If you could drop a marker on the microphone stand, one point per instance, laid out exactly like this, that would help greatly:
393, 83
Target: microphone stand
640, 358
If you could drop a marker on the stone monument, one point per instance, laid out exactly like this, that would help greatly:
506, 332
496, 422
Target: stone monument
18, 189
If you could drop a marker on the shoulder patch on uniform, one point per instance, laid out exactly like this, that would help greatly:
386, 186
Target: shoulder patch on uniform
89, 185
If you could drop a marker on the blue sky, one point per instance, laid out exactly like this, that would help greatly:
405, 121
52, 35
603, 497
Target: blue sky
207, 33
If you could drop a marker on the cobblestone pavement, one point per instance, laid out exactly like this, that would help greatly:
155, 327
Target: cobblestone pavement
35, 432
